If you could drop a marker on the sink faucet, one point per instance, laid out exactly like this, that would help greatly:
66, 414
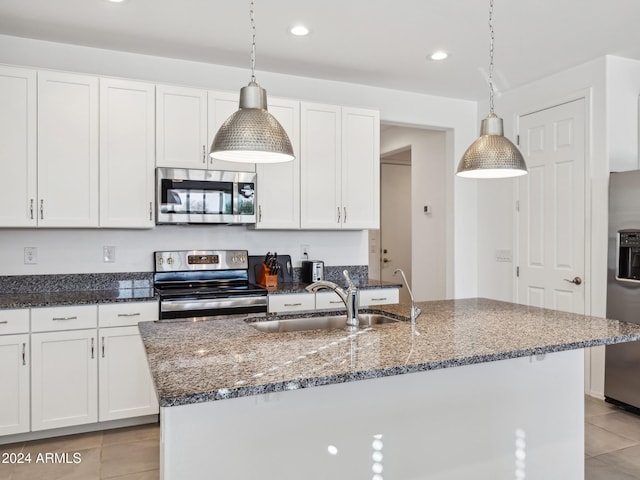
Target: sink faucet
415, 311
350, 296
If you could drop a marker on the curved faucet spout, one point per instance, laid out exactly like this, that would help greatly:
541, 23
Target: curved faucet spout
350, 296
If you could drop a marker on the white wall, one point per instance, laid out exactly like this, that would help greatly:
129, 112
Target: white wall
459, 116
429, 182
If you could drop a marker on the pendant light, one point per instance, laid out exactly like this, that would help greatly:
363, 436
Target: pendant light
492, 155
252, 134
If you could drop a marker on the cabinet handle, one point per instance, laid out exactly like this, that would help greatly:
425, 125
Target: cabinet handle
345, 214
204, 154
150, 211
93, 347
64, 318
129, 314
379, 299
259, 213
336, 301
338, 214
292, 304
41, 209
31, 208
3, 322
102, 347
24, 354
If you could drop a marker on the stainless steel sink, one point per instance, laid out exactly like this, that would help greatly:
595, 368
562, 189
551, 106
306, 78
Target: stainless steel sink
296, 324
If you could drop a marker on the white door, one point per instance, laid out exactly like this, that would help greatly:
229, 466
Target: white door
395, 221
181, 127
126, 389
127, 153
18, 147
14, 384
67, 150
64, 379
551, 220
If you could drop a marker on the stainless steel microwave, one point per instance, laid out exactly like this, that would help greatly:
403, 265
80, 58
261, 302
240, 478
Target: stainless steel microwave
205, 196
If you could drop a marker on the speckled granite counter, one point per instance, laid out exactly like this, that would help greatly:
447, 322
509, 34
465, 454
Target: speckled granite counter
227, 358
86, 297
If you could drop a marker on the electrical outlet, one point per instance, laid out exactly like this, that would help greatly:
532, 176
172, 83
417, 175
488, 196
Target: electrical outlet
109, 254
305, 253
30, 255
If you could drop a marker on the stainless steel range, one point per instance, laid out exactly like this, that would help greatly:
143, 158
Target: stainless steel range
204, 283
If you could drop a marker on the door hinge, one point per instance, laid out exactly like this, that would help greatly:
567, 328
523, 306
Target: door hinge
517, 205
518, 139
517, 271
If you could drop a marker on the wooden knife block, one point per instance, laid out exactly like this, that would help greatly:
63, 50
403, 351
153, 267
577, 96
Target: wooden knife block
265, 278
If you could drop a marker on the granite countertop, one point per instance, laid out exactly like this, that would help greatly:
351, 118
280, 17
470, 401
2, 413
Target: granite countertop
193, 362
82, 297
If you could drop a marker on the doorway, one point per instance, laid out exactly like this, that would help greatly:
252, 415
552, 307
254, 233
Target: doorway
395, 218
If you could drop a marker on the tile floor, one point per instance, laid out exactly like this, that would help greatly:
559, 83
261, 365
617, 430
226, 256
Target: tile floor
122, 454
612, 451
612, 446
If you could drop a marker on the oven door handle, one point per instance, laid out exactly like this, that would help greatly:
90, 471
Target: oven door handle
211, 303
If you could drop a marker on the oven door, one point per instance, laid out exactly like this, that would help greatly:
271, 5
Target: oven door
209, 307
205, 196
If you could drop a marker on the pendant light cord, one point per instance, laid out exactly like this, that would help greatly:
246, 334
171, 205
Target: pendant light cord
253, 42
491, 56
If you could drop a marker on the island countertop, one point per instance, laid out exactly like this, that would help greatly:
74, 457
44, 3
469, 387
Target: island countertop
193, 362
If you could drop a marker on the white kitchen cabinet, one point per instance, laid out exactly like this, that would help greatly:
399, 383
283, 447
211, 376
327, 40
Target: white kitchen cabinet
64, 378
127, 153
368, 297
291, 302
125, 385
181, 127
14, 371
18, 156
279, 183
67, 150
221, 106
339, 171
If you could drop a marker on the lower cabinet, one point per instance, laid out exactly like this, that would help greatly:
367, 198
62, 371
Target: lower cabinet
125, 386
64, 379
14, 383
328, 300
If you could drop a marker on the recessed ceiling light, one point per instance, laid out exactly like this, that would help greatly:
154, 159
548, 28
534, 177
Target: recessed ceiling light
299, 31
439, 55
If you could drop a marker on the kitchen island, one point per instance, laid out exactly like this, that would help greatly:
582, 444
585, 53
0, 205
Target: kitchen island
477, 389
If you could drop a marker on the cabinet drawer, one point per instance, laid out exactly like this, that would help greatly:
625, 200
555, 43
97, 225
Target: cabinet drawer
126, 314
14, 321
328, 300
379, 296
64, 318
292, 302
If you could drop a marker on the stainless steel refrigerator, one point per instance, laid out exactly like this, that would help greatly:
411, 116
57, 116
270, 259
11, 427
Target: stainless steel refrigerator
622, 367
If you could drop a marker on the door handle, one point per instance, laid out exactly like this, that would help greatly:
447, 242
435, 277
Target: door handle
386, 260
575, 281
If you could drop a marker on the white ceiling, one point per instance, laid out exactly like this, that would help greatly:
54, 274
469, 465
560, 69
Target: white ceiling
376, 42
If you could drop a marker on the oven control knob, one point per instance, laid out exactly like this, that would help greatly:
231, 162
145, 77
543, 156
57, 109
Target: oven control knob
170, 261
160, 261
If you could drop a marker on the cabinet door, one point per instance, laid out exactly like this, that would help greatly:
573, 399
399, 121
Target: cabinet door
126, 389
64, 379
279, 183
14, 384
360, 169
67, 150
18, 147
379, 296
292, 302
181, 127
221, 106
127, 153
320, 171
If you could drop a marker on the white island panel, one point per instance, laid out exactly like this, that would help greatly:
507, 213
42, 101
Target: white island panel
514, 418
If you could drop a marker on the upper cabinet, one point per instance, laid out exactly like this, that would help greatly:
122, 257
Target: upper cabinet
279, 183
18, 144
67, 150
181, 127
127, 153
340, 167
